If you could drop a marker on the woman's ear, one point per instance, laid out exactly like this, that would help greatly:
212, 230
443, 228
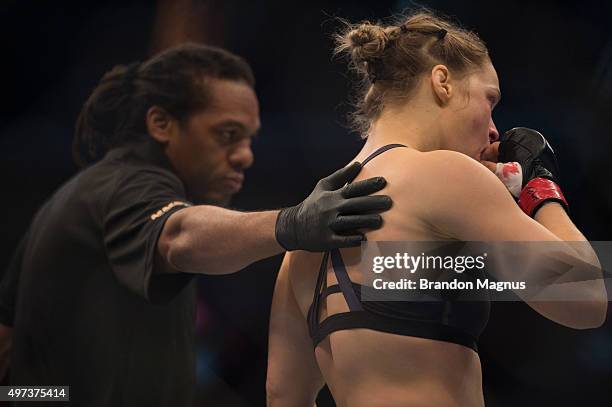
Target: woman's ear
441, 84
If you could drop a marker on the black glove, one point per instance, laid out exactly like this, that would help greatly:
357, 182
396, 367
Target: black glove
530, 149
539, 165
331, 215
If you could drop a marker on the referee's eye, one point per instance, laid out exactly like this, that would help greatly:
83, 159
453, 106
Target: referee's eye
229, 136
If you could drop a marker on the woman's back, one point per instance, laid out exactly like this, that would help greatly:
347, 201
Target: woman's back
362, 364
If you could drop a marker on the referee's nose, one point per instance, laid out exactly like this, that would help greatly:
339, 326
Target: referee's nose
241, 157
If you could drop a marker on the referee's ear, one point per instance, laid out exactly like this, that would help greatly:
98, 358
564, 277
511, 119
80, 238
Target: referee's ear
160, 124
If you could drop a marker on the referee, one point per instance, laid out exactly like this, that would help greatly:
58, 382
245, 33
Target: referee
100, 292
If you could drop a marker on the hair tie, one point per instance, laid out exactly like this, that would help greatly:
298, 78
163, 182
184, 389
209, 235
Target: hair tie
440, 34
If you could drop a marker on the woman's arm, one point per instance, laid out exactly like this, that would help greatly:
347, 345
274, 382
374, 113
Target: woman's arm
473, 205
294, 378
554, 218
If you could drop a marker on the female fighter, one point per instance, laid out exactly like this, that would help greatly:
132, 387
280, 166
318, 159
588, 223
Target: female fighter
429, 90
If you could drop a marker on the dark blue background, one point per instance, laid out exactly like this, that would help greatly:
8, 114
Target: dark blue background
554, 61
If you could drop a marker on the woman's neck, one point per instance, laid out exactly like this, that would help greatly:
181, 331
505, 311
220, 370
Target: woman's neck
416, 127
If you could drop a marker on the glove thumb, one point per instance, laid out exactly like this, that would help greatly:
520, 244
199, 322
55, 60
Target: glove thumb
342, 176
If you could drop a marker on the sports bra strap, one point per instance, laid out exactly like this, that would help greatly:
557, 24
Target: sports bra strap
342, 276
332, 289
345, 282
380, 151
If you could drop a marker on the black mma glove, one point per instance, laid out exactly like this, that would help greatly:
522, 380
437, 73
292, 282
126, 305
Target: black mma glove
539, 168
332, 214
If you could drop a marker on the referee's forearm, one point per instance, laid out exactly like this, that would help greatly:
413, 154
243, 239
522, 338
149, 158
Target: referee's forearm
211, 240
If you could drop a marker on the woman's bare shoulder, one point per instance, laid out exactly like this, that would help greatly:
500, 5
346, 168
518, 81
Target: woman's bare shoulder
405, 163
420, 169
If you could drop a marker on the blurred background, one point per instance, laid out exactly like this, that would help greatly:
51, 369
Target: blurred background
554, 61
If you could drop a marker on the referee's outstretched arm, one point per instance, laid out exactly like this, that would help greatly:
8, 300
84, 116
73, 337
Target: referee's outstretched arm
213, 240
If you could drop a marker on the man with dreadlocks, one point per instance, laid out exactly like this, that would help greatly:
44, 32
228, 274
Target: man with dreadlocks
109, 259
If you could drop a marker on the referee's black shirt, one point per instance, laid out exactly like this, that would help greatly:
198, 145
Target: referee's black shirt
80, 292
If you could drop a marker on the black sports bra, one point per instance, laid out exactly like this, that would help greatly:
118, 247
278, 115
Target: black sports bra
448, 320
